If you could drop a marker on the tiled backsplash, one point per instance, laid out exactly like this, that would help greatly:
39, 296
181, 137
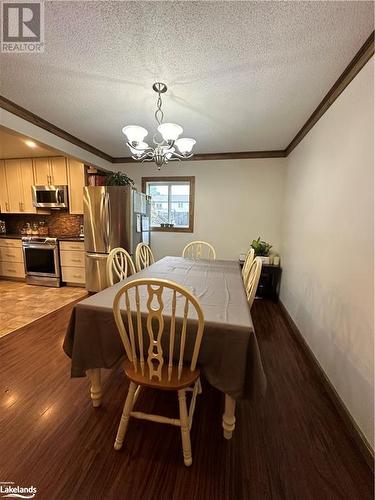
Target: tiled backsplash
59, 224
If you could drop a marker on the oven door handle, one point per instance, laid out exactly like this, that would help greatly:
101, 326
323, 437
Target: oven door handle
41, 247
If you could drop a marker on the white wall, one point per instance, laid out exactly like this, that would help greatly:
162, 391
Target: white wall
235, 201
328, 245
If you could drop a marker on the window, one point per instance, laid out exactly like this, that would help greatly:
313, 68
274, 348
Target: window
172, 202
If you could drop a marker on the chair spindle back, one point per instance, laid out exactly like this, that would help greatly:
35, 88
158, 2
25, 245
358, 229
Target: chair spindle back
199, 250
119, 266
143, 256
154, 295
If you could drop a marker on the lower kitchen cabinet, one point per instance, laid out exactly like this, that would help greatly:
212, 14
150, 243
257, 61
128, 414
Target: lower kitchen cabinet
11, 258
72, 260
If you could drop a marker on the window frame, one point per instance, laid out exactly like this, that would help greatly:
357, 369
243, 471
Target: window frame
188, 179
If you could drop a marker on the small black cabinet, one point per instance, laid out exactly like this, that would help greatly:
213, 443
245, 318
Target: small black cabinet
269, 281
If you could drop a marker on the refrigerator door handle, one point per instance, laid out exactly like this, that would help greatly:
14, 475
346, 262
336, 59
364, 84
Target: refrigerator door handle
107, 229
102, 218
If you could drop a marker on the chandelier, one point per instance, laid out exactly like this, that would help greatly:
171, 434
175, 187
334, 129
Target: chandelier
170, 147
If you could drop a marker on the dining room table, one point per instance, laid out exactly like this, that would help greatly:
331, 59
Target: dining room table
229, 357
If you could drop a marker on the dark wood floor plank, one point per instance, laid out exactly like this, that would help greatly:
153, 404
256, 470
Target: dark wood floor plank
290, 445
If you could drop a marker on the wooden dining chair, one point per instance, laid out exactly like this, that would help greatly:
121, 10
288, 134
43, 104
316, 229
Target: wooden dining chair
119, 266
143, 256
252, 280
165, 310
199, 250
248, 261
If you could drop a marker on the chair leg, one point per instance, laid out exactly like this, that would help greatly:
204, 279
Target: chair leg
185, 433
199, 386
128, 406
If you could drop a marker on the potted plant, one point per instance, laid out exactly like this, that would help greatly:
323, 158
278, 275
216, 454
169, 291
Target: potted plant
118, 179
262, 250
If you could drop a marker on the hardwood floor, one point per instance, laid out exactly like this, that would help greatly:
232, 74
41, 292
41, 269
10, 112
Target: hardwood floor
20, 304
291, 445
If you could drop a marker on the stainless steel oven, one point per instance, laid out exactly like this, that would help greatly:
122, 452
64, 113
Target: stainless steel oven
41, 256
50, 196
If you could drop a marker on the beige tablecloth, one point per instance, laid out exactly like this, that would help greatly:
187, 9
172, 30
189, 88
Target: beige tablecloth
229, 356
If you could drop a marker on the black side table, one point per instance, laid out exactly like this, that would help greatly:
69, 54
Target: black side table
269, 281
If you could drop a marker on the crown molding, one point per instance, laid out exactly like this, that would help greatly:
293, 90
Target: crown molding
353, 68
222, 156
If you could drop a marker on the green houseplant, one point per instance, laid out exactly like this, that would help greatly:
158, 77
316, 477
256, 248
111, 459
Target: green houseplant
261, 248
118, 179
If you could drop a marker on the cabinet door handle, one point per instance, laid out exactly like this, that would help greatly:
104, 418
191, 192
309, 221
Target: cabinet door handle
7, 206
9, 255
76, 260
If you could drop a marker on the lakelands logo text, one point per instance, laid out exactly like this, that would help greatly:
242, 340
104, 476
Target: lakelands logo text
8, 490
22, 27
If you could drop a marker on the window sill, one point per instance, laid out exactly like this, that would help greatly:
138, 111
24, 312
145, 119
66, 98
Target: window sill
172, 229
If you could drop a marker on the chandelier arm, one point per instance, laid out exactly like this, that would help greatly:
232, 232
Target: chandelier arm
182, 157
148, 154
149, 149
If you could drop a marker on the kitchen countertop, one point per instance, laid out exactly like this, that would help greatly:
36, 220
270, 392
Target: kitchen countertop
11, 236
61, 238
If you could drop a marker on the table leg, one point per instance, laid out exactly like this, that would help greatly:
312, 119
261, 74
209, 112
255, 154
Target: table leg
229, 419
96, 386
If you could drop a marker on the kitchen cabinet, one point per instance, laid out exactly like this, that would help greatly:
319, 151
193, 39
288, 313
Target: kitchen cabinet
58, 171
4, 199
72, 259
76, 179
50, 171
19, 179
27, 179
11, 258
41, 171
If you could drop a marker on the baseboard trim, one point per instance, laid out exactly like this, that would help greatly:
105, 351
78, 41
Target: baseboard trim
352, 427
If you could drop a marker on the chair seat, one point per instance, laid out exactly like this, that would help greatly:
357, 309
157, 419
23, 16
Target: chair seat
187, 378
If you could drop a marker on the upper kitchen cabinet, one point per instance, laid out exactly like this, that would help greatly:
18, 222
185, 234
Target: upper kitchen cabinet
27, 179
58, 171
76, 178
4, 198
19, 179
50, 171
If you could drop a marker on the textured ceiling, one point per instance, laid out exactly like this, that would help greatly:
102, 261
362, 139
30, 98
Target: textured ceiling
14, 145
242, 75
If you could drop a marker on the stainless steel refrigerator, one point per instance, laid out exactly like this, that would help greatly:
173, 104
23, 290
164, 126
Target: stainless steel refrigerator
114, 216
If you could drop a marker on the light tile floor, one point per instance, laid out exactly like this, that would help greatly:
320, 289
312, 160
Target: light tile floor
21, 304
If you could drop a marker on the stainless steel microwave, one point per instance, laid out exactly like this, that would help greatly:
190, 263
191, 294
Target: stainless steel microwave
50, 196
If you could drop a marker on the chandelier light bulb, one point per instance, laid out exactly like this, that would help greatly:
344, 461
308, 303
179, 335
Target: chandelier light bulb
134, 133
170, 131
185, 144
